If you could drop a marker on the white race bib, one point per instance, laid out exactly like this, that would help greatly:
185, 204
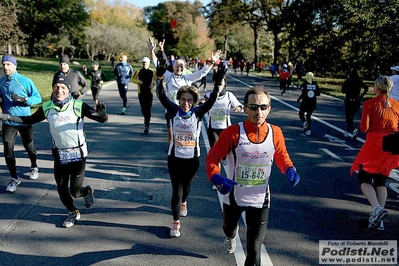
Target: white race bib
252, 175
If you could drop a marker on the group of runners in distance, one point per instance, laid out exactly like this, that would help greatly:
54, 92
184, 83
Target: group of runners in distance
248, 148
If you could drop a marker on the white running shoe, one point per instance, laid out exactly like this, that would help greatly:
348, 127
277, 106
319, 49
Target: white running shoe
34, 173
89, 199
230, 243
379, 213
71, 219
175, 230
381, 227
355, 133
183, 211
308, 132
12, 186
214, 188
305, 125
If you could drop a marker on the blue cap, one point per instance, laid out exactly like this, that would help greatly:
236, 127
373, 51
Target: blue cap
9, 58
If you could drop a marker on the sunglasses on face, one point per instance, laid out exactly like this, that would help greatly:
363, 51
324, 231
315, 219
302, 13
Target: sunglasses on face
254, 107
181, 66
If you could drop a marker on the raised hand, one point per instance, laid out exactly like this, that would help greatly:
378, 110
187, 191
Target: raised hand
151, 44
220, 74
215, 56
161, 44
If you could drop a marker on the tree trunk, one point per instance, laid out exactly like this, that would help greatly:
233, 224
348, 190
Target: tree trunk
225, 47
277, 46
256, 45
31, 46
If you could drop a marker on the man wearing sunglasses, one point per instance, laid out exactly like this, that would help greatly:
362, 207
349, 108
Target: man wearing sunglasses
251, 147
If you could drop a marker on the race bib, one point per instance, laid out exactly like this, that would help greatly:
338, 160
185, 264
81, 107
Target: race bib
184, 139
172, 95
218, 114
252, 175
69, 155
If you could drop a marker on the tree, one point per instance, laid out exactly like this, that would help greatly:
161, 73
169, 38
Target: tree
222, 25
188, 28
56, 17
10, 33
243, 11
115, 28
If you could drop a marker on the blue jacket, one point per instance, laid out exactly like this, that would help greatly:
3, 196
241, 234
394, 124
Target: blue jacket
123, 73
22, 86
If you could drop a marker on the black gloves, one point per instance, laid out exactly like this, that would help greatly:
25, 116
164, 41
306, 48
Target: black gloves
220, 74
5, 117
161, 69
17, 98
101, 110
75, 94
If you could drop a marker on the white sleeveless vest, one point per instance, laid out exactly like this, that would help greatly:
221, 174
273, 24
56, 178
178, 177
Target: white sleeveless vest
185, 137
66, 127
173, 83
252, 173
219, 115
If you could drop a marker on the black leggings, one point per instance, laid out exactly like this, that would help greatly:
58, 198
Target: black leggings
376, 180
256, 219
9, 134
73, 174
308, 117
122, 88
351, 108
182, 173
146, 104
95, 92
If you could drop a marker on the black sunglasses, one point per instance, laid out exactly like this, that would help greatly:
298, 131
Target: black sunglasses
254, 106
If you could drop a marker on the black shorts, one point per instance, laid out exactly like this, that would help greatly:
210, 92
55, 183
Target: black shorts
376, 180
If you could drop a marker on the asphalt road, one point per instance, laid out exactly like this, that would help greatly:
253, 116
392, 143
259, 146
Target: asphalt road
130, 222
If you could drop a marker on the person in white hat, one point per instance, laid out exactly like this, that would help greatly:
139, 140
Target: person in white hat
395, 79
145, 80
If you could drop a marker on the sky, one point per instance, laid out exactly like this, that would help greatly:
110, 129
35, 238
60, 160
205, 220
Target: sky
143, 3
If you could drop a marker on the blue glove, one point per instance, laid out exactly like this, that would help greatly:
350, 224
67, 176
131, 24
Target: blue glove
224, 185
292, 176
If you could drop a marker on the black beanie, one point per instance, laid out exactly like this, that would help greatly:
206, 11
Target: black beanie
64, 59
63, 80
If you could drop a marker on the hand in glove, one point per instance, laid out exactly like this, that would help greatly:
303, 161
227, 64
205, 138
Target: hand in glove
75, 94
161, 69
223, 184
292, 176
4, 117
220, 74
17, 98
101, 109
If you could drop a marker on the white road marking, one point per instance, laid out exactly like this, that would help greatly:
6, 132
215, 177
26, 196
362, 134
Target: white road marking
331, 154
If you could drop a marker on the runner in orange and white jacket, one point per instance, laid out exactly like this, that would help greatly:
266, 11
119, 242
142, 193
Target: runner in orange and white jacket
251, 147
